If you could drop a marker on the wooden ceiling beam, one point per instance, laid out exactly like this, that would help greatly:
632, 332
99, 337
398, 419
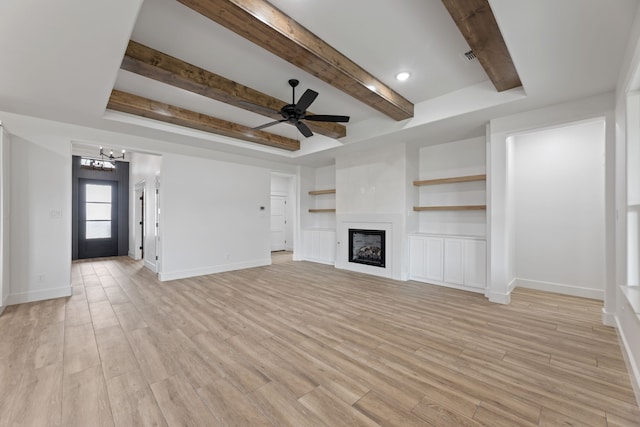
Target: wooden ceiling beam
478, 25
133, 104
159, 66
263, 24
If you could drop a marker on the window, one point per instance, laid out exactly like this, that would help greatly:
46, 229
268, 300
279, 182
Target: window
98, 211
94, 164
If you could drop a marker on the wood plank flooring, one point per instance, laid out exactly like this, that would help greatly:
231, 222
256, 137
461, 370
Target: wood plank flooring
303, 344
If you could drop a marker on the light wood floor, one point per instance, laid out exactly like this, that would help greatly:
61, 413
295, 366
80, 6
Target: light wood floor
305, 344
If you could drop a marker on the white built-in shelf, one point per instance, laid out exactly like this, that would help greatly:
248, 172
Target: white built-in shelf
450, 180
318, 192
321, 210
450, 208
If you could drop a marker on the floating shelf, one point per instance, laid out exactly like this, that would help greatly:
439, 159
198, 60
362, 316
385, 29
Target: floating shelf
450, 208
318, 192
321, 210
450, 180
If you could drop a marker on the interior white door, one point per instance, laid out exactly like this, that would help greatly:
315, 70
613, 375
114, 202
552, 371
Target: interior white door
278, 223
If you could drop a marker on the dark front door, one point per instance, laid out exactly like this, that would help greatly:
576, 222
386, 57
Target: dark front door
97, 218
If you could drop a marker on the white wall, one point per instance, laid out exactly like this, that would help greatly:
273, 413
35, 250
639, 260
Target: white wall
144, 168
460, 158
210, 216
558, 190
40, 220
5, 225
371, 181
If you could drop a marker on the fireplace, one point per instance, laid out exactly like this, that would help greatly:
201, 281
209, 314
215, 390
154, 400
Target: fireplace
367, 247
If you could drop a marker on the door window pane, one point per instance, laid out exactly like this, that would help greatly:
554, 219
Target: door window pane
98, 193
98, 229
98, 211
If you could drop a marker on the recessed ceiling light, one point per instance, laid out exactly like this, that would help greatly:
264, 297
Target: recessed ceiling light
403, 76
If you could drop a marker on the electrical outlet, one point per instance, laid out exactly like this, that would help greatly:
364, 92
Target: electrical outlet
40, 278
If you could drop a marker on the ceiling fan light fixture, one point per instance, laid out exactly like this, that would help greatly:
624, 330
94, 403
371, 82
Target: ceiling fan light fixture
403, 75
294, 113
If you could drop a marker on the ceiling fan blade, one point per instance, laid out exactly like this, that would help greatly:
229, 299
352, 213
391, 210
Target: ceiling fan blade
304, 129
327, 118
306, 99
253, 107
268, 124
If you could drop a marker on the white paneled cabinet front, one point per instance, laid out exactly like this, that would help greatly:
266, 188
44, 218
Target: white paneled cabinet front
433, 259
450, 261
475, 264
453, 260
320, 246
427, 258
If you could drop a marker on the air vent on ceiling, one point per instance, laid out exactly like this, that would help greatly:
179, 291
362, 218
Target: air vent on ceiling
469, 56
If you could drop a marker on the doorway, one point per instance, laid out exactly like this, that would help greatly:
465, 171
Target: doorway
92, 218
97, 219
283, 219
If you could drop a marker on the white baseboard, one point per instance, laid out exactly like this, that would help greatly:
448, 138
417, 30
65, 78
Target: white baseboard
150, 265
608, 319
131, 255
500, 297
560, 288
622, 326
319, 261
5, 303
175, 275
448, 285
42, 295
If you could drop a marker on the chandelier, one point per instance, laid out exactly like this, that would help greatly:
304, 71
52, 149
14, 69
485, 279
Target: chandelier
110, 157
107, 161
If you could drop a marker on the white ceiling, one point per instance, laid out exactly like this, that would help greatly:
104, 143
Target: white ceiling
60, 61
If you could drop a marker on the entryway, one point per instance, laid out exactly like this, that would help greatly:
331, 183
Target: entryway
100, 208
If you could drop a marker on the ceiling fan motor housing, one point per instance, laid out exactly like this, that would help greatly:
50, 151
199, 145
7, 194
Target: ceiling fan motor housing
289, 113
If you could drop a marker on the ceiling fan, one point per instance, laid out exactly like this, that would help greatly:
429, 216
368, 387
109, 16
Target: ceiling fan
293, 113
